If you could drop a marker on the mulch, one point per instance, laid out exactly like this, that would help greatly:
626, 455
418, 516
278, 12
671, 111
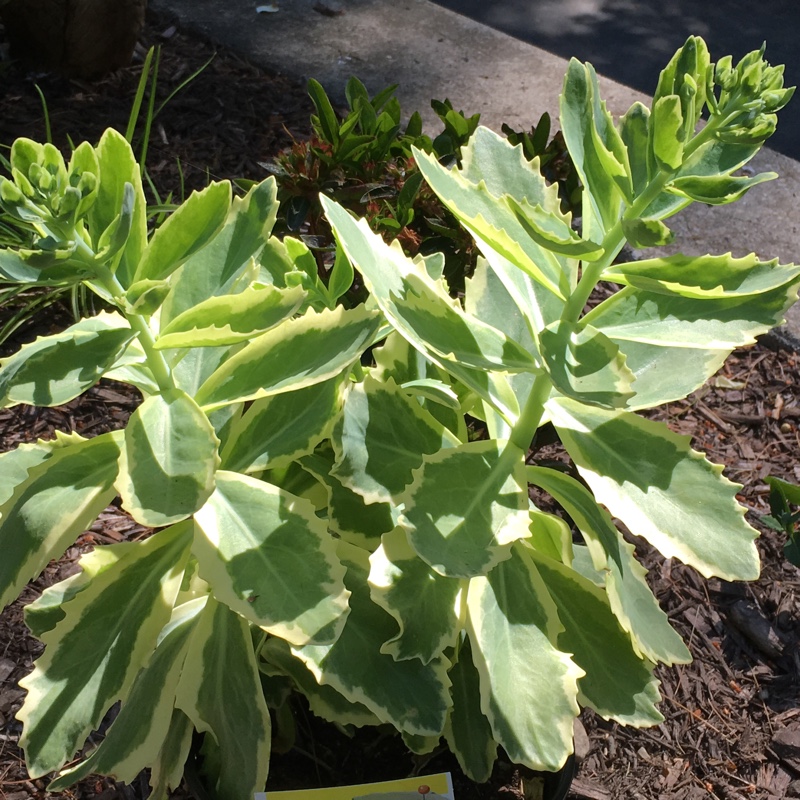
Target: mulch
732, 729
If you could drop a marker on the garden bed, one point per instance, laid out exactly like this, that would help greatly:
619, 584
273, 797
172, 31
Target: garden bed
732, 715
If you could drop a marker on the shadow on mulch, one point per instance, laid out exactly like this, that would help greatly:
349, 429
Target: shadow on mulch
731, 716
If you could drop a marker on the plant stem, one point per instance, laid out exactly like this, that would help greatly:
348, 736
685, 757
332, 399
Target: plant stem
155, 359
615, 238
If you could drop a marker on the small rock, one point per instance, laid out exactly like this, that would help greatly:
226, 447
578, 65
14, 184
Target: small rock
581, 741
7, 666
747, 617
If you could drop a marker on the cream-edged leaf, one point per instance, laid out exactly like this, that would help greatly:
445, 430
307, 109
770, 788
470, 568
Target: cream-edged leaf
651, 479
271, 559
93, 655
465, 507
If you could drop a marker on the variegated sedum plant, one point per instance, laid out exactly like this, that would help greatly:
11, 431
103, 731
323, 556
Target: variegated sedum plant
341, 495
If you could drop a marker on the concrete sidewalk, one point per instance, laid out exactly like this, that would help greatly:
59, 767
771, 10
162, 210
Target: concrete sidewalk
434, 53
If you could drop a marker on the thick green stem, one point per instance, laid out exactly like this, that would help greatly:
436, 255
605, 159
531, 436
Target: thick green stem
155, 359
615, 238
525, 427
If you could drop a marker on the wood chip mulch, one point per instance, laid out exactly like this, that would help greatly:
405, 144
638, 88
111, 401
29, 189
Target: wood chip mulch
732, 728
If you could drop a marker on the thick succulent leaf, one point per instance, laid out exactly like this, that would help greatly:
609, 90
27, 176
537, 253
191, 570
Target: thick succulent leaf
675, 321
634, 132
167, 466
52, 370
166, 772
141, 729
631, 600
468, 733
419, 309
618, 683
586, 365
381, 436
323, 700
299, 353
349, 515
551, 535
271, 559
16, 464
651, 479
220, 692
231, 318
688, 369
465, 507
227, 259
705, 276
191, 367
718, 190
425, 604
93, 655
529, 688
277, 430
185, 231
479, 195
597, 150
408, 694
401, 362
57, 500
667, 131
44, 613
118, 167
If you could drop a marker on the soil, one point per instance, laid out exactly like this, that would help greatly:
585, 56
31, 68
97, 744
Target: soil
732, 728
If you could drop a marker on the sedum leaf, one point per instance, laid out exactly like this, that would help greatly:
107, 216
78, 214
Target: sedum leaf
529, 688
279, 429
323, 700
483, 195
425, 604
585, 364
653, 481
381, 436
166, 773
300, 353
142, 727
167, 466
57, 500
409, 695
216, 268
468, 733
191, 226
93, 655
706, 276
271, 559
52, 370
118, 168
220, 692
231, 318
465, 507
618, 683
631, 600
